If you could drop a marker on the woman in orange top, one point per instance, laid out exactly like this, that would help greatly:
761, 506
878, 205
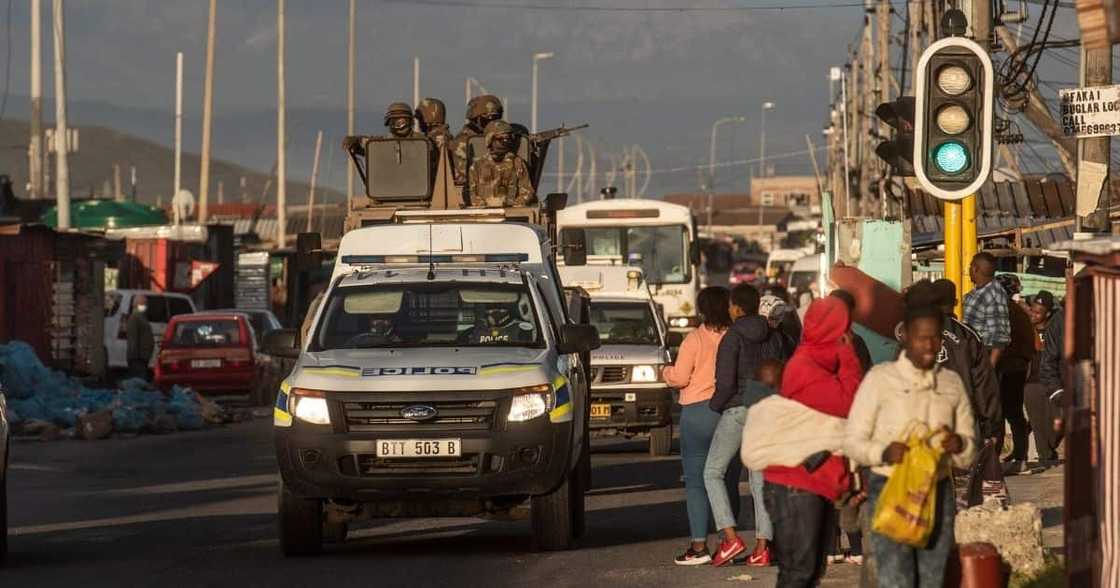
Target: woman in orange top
694, 374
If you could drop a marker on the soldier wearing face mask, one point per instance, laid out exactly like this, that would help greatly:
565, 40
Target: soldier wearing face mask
398, 119
431, 115
500, 178
481, 111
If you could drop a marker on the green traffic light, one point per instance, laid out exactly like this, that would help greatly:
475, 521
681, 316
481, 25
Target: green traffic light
951, 157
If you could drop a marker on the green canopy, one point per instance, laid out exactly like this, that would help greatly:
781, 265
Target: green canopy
108, 214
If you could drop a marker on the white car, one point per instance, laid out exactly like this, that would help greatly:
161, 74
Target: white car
118, 306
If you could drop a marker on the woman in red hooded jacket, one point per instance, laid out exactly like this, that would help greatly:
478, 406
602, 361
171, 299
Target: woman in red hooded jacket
823, 374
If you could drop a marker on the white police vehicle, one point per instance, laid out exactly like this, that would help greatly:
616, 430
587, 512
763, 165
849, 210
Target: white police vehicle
441, 377
628, 395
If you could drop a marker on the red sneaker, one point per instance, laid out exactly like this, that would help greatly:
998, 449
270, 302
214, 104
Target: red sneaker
728, 550
759, 559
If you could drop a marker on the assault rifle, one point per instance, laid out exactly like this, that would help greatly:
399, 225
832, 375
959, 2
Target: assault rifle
560, 131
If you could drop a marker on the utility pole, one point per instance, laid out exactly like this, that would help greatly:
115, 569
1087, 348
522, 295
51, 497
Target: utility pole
883, 37
350, 100
314, 179
178, 125
61, 133
207, 113
867, 106
415, 89
847, 154
118, 194
917, 23
221, 193
560, 164
281, 134
35, 145
1096, 68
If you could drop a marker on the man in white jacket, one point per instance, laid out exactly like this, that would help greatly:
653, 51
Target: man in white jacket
892, 397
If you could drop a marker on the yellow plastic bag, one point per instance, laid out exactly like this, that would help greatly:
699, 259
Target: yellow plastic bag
906, 508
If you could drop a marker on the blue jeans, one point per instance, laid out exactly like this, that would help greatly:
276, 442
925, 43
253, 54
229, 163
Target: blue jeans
724, 466
698, 424
902, 566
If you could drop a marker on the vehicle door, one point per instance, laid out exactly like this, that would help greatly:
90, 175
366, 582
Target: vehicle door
116, 310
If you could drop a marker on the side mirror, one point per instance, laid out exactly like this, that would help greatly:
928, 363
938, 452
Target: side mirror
282, 343
694, 253
573, 247
674, 339
578, 339
556, 201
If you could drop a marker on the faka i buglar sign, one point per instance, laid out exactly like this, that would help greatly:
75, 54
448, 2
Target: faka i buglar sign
1090, 112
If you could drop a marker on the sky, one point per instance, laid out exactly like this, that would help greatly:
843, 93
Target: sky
653, 78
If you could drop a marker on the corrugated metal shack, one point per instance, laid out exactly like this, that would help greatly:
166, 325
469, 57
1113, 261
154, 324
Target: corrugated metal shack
52, 294
164, 259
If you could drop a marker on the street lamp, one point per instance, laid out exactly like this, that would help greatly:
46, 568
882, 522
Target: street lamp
762, 140
537, 57
712, 161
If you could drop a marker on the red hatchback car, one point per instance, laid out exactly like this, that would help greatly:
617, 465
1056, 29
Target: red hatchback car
209, 352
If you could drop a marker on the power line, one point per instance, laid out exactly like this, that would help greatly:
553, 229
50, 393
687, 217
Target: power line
593, 8
718, 164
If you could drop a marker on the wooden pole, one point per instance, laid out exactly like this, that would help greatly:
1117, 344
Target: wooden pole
118, 194
1097, 66
314, 179
281, 134
207, 113
61, 132
884, 79
350, 99
178, 126
866, 107
35, 144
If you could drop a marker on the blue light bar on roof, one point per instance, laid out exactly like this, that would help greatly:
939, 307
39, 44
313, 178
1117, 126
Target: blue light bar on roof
418, 259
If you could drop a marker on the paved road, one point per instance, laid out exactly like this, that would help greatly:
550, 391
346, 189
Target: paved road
198, 509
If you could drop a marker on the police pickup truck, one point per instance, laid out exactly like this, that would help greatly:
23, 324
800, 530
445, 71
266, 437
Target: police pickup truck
441, 377
628, 395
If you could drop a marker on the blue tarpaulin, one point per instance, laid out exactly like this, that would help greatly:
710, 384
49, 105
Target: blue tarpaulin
38, 393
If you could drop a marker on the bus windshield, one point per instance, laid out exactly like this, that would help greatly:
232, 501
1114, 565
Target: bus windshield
661, 251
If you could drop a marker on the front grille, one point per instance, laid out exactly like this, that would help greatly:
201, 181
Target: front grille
611, 374
459, 415
366, 465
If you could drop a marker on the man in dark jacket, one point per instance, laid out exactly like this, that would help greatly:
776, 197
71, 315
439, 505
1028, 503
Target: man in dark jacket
963, 352
1044, 397
141, 341
748, 343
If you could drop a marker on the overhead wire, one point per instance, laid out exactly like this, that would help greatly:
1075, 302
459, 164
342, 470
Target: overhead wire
597, 8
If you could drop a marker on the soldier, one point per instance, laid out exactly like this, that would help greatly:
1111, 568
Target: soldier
499, 177
481, 111
398, 119
432, 116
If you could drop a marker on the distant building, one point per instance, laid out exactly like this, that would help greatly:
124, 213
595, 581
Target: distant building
799, 193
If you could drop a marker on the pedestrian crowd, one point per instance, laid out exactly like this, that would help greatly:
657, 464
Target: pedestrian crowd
797, 402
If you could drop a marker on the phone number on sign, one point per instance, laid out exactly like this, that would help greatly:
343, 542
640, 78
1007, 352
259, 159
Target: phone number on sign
1092, 129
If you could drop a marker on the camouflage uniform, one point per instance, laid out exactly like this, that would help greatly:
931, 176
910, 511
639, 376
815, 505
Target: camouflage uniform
432, 116
481, 110
499, 177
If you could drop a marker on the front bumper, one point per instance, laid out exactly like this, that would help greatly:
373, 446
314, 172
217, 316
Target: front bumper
498, 458
651, 408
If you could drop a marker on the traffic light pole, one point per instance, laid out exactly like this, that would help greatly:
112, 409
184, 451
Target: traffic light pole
953, 226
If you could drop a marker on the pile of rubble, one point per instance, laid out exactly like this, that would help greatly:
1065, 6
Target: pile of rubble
1015, 531
51, 404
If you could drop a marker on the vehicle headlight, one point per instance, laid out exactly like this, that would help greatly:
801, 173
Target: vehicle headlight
682, 322
310, 407
530, 403
643, 373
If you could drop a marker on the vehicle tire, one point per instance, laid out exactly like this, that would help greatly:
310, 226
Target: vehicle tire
335, 532
553, 517
661, 441
300, 524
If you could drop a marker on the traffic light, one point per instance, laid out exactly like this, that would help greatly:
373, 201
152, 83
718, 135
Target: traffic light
953, 124
898, 152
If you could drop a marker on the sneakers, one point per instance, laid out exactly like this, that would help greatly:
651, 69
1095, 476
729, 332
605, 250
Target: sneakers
854, 559
728, 550
693, 557
759, 559
835, 558
1014, 467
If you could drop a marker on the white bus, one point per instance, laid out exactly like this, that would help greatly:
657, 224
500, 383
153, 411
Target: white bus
657, 236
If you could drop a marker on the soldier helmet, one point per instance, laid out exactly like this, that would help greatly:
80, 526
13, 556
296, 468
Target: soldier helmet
486, 105
397, 109
431, 111
495, 128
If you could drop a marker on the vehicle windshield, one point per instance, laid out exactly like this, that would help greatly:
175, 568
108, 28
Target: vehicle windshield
625, 323
206, 333
661, 251
429, 315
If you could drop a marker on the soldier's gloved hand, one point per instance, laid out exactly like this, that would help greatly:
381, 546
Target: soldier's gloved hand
351, 143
